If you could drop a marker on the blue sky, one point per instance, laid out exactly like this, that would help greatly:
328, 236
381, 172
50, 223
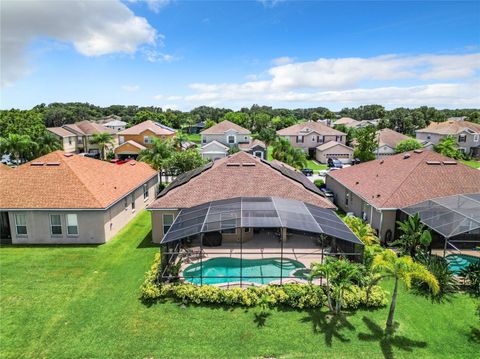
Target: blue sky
231, 54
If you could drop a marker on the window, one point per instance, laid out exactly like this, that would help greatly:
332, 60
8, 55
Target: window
121, 139
313, 138
167, 222
21, 224
247, 230
204, 139
145, 191
133, 201
319, 139
462, 138
347, 198
476, 138
299, 139
125, 202
55, 224
69, 140
72, 224
231, 139
147, 140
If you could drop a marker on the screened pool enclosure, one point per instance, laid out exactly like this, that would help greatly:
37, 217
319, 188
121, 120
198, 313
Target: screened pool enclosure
253, 240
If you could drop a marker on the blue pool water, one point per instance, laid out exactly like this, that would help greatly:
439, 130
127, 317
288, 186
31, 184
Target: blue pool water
456, 262
225, 270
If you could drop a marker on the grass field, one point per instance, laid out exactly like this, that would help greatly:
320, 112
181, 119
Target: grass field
82, 302
194, 137
310, 163
474, 164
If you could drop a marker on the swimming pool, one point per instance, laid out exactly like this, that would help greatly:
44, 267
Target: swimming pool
226, 270
456, 262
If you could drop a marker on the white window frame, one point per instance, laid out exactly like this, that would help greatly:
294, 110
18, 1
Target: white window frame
476, 138
133, 202
121, 139
300, 139
51, 216
165, 215
145, 191
463, 138
234, 139
17, 225
69, 225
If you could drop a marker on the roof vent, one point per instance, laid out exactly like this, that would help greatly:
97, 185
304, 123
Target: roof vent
53, 163
132, 163
357, 182
450, 163
68, 154
248, 164
418, 151
406, 156
37, 164
233, 164
434, 163
381, 162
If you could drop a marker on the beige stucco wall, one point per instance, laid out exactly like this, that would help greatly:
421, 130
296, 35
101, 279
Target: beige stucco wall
312, 141
342, 153
223, 138
157, 223
69, 144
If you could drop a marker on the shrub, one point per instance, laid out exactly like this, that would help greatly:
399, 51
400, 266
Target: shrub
471, 275
319, 183
438, 266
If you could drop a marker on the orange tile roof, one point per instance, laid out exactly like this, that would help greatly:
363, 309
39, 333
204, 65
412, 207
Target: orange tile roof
88, 128
307, 127
5, 167
155, 127
450, 127
251, 144
60, 131
70, 181
347, 121
399, 181
229, 178
224, 126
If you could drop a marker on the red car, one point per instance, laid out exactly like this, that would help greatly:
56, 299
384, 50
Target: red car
119, 161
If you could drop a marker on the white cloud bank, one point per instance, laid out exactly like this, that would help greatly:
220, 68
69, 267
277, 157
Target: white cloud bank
94, 28
436, 80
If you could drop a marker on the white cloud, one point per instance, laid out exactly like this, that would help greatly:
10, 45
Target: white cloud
157, 5
153, 55
270, 3
94, 28
130, 88
283, 60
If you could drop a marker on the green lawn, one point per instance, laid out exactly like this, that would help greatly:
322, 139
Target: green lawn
474, 164
194, 137
314, 165
82, 302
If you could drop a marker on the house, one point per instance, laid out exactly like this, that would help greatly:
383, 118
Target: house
238, 175
77, 137
346, 121
67, 198
218, 139
309, 135
139, 137
467, 135
389, 139
334, 149
377, 190
196, 128
116, 125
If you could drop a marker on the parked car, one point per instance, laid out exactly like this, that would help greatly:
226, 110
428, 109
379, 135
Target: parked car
91, 155
322, 173
334, 163
355, 161
307, 172
328, 194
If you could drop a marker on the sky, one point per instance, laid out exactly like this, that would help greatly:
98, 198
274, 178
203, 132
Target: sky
291, 54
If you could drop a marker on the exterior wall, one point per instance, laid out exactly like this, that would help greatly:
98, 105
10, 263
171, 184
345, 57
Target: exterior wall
313, 140
431, 137
235, 237
343, 154
157, 223
464, 146
384, 151
69, 144
213, 152
140, 138
223, 138
127, 149
258, 149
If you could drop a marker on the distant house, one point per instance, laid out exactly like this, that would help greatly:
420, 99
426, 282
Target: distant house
376, 190
116, 125
218, 139
334, 149
66, 198
77, 137
388, 141
309, 135
351, 123
467, 135
136, 138
196, 128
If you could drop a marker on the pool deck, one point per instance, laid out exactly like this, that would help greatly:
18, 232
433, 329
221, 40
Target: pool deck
473, 253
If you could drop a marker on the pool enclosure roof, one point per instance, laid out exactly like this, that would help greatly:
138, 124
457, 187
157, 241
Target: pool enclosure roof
449, 216
258, 212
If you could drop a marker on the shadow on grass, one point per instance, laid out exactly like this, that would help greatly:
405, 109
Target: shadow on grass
388, 340
330, 325
474, 336
261, 318
40, 245
147, 242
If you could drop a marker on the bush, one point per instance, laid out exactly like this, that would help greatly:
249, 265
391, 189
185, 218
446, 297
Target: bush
438, 266
471, 275
319, 183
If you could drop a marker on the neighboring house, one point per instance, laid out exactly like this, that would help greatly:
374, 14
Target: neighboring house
66, 198
467, 135
83, 132
116, 125
239, 175
218, 139
196, 128
346, 121
366, 123
334, 149
377, 190
309, 135
389, 139
136, 138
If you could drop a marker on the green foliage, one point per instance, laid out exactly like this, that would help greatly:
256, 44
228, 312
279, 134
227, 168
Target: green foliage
209, 123
438, 266
448, 147
19, 122
362, 230
319, 183
184, 161
407, 145
158, 155
21, 147
283, 151
232, 150
103, 140
367, 112
471, 276
366, 143
414, 238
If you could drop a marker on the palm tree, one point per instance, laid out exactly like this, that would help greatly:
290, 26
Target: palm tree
296, 158
280, 149
324, 270
158, 155
102, 139
414, 236
48, 143
362, 230
388, 264
179, 138
19, 146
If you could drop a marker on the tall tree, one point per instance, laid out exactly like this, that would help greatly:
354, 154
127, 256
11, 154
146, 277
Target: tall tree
102, 139
367, 143
21, 147
184, 161
48, 143
268, 135
415, 236
448, 147
407, 145
158, 155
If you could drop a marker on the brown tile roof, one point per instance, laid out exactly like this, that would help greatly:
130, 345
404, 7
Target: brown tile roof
397, 181
251, 144
347, 121
390, 137
88, 128
60, 131
229, 178
155, 127
70, 181
307, 127
450, 127
224, 126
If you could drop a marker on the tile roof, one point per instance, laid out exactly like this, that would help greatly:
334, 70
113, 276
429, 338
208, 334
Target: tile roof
390, 137
450, 127
308, 127
60, 131
407, 178
251, 144
115, 123
346, 121
240, 175
88, 128
5, 167
224, 126
331, 144
133, 143
155, 127
60, 180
